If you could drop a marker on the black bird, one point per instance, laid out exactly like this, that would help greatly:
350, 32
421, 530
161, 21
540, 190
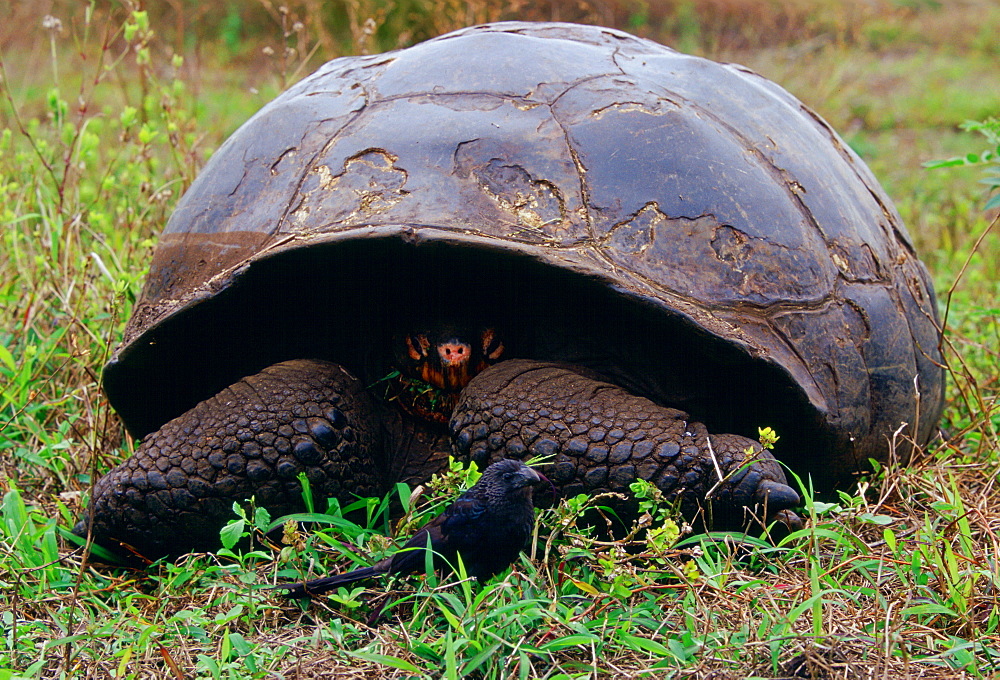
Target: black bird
488, 526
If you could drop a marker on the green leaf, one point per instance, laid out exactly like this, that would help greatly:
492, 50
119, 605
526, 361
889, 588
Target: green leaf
881, 520
821, 507
585, 587
928, 608
404, 492
315, 517
103, 553
450, 665
123, 663
128, 116
261, 518
146, 134
578, 640
477, 661
208, 663
391, 661
946, 163
228, 616
245, 650
232, 533
450, 617
890, 539
643, 644
7, 358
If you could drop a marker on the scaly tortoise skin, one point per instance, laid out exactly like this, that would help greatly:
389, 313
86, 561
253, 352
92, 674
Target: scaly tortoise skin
668, 235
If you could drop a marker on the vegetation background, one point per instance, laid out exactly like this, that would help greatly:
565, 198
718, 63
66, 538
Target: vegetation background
107, 112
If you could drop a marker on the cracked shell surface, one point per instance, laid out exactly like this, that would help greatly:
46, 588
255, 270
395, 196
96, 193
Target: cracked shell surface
699, 188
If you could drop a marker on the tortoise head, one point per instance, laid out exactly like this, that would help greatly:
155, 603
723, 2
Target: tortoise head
448, 357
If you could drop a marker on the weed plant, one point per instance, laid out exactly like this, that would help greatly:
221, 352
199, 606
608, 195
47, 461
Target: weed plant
106, 115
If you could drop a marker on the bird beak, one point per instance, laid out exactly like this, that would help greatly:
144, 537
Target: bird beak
533, 476
526, 477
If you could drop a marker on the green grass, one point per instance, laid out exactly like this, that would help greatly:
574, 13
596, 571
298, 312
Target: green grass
101, 130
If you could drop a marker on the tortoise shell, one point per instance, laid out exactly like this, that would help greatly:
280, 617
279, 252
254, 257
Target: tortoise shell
684, 226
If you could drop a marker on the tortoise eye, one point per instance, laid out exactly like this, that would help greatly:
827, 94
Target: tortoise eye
492, 346
417, 346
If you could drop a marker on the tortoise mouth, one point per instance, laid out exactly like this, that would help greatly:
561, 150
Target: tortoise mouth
348, 297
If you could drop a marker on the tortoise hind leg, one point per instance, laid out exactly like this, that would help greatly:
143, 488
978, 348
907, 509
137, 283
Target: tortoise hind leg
602, 438
252, 439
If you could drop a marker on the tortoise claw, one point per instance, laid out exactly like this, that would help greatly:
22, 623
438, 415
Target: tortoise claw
788, 520
778, 499
776, 496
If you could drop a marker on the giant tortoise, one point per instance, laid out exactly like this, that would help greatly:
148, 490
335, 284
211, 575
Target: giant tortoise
518, 240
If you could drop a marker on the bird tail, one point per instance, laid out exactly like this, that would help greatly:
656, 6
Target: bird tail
323, 585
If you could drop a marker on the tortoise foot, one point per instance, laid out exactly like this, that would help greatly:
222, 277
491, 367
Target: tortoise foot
253, 439
598, 437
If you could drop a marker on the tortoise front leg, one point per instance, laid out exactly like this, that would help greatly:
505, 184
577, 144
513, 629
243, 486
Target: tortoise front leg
252, 439
602, 438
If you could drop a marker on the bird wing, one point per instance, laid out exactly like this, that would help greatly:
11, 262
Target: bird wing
450, 532
463, 517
